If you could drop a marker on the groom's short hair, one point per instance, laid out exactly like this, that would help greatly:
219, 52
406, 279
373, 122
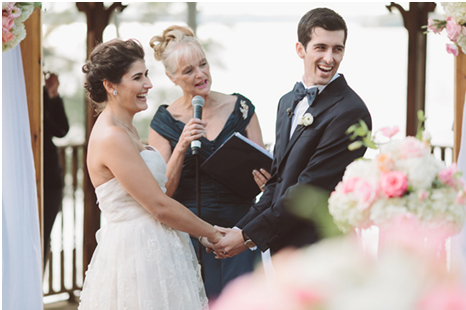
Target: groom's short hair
319, 17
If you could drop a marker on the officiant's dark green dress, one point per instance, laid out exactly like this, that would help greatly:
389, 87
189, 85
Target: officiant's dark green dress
220, 205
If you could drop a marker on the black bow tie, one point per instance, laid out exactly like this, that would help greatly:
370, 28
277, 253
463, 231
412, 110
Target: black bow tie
300, 91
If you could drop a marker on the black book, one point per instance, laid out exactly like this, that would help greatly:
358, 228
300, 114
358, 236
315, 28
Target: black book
233, 162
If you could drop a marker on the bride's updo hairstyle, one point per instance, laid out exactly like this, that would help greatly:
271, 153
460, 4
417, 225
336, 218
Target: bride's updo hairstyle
109, 61
175, 42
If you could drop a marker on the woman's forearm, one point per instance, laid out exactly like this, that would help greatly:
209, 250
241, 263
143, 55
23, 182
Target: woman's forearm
174, 167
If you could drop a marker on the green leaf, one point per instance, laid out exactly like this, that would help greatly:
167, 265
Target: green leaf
311, 203
352, 128
355, 145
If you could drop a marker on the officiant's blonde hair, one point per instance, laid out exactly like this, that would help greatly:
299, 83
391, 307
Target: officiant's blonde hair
175, 42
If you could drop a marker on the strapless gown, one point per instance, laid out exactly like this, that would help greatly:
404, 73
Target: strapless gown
140, 263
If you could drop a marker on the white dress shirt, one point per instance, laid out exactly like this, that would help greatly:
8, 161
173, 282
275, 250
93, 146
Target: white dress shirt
303, 105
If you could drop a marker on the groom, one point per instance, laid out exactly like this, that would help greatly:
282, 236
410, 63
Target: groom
311, 144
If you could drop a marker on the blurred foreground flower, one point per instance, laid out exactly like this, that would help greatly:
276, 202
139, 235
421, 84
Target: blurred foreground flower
335, 274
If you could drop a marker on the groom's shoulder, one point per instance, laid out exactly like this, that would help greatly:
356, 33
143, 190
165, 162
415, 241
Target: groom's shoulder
287, 96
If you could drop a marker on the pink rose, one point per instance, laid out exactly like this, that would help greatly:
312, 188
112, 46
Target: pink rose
452, 49
390, 132
348, 185
7, 23
366, 193
7, 36
434, 26
453, 29
447, 175
393, 183
412, 147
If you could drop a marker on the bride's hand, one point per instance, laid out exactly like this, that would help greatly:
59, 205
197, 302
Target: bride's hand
193, 130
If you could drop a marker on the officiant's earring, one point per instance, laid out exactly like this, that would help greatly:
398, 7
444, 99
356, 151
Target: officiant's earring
114, 93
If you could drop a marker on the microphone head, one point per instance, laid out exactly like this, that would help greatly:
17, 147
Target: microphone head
197, 101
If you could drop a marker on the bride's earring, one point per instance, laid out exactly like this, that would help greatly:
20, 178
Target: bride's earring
114, 92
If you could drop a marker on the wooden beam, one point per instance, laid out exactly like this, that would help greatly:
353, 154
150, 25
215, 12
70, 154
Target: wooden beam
413, 20
459, 97
97, 20
31, 52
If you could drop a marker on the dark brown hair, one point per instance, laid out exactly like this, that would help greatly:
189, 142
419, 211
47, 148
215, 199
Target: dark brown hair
320, 17
109, 61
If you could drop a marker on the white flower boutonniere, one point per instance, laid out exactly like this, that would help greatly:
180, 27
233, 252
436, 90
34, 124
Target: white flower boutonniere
244, 109
306, 120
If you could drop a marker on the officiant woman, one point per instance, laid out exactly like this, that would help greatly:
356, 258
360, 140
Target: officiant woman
173, 129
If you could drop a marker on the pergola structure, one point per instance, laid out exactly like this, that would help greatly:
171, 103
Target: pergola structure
97, 19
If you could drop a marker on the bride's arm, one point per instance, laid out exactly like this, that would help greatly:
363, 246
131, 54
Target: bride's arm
193, 130
121, 157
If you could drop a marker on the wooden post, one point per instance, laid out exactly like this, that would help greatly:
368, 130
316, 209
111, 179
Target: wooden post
97, 20
31, 52
460, 89
413, 20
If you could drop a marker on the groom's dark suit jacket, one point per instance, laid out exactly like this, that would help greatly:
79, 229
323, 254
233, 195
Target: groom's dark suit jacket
316, 154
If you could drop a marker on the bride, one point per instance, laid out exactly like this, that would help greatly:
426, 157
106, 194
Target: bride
144, 258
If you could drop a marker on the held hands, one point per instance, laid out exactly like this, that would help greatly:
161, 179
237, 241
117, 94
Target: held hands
232, 242
261, 178
193, 130
229, 245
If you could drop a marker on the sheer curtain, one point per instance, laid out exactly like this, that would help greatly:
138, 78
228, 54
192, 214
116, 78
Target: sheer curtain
21, 251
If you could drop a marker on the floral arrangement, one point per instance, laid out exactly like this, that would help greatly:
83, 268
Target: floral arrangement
404, 178
13, 16
335, 274
454, 24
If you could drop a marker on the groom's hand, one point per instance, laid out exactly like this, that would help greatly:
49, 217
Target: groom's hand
232, 243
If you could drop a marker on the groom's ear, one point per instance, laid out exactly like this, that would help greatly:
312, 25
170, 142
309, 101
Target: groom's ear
300, 50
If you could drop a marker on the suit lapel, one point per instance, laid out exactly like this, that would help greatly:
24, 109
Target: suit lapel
328, 98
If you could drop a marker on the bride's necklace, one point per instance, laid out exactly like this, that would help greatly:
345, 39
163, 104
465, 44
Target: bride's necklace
130, 131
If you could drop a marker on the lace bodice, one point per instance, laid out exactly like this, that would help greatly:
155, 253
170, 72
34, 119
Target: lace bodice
115, 202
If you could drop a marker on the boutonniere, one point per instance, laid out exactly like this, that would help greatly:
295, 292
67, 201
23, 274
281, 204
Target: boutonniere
306, 120
244, 109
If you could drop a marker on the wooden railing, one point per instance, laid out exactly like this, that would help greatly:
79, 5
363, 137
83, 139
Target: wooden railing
64, 269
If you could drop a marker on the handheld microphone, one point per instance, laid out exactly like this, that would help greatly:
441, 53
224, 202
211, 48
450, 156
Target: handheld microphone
198, 103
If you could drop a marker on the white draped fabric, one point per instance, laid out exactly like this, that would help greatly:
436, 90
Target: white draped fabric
21, 250
459, 241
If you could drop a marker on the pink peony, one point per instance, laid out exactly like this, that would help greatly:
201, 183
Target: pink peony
447, 175
390, 132
444, 298
453, 29
412, 147
366, 194
348, 185
394, 183
434, 26
452, 49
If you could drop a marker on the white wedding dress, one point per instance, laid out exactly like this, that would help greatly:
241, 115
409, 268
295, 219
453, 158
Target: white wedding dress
140, 263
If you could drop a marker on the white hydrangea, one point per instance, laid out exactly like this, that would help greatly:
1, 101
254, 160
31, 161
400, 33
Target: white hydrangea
457, 10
